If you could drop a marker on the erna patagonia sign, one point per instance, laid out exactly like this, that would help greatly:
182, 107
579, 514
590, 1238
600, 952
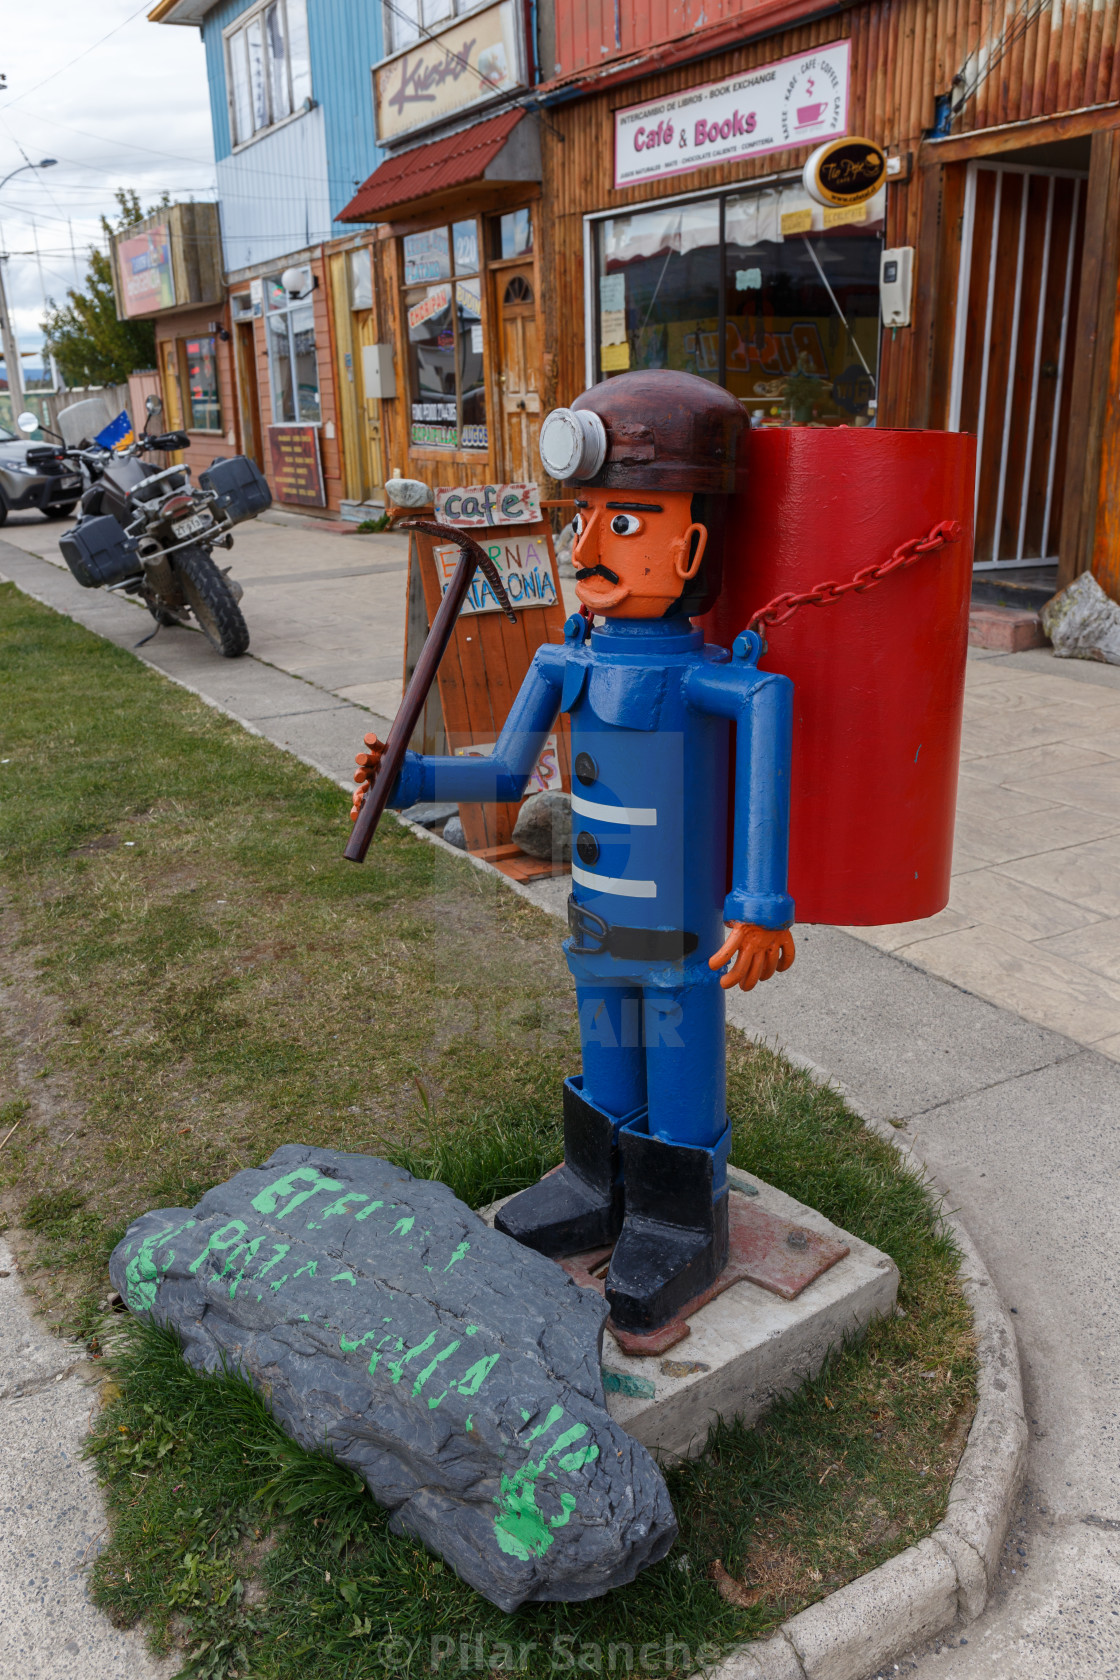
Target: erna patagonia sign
793, 102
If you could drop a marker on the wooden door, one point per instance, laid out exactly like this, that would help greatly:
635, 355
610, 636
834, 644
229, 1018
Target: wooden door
519, 375
1011, 376
248, 395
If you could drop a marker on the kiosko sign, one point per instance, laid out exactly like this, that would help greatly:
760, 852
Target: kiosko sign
794, 102
466, 64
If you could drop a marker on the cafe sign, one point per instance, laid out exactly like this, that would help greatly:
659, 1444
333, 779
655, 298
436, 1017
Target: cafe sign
793, 102
467, 64
845, 172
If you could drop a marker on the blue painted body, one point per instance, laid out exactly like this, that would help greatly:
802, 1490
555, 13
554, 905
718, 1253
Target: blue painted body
281, 192
653, 707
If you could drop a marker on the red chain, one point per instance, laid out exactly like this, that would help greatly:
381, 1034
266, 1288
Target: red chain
783, 607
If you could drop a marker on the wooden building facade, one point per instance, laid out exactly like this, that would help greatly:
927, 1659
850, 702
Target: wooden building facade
1002, 126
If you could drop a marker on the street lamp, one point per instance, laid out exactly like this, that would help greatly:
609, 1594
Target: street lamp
7, 336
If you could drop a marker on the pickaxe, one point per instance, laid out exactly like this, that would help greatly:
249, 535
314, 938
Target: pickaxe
471, 557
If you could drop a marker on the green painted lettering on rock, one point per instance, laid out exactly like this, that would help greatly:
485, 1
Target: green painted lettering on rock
268, 1199
458, 1254
142, 1274
520, 1528
230, 1235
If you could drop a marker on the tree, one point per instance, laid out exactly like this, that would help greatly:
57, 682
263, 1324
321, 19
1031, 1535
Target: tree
83, 334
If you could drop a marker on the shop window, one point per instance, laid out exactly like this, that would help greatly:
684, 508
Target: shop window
172, 417
203, 401
293, 367
513, 234
794, 287
268, 67
446, 349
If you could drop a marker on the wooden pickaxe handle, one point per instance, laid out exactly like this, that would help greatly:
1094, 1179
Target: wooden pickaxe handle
471, 557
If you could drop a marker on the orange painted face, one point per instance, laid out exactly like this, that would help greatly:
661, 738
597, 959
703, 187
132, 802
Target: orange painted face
635, 550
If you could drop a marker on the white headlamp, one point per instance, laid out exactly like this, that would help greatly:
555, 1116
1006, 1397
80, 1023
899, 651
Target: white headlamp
573, 443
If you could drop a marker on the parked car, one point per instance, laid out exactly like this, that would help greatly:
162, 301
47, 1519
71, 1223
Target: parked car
36, 475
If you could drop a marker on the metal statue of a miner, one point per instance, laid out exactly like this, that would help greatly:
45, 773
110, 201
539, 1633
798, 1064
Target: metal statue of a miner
656, 935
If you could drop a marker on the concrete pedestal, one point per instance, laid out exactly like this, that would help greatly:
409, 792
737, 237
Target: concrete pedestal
748, 1345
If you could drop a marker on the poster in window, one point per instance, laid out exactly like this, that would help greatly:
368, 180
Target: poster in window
296, 473
144, 266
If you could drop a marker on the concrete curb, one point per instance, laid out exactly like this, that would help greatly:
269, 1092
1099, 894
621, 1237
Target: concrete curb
944, 1579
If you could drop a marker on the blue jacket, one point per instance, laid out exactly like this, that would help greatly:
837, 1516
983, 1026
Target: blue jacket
651, 711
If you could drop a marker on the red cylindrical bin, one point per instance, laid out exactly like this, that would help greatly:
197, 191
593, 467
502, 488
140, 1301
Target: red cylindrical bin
878, 676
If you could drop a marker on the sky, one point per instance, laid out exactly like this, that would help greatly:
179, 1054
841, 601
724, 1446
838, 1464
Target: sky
120, 102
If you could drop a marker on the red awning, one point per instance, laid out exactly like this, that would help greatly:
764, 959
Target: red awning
438, 167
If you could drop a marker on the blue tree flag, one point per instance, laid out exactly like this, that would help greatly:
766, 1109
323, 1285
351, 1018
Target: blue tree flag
117, 434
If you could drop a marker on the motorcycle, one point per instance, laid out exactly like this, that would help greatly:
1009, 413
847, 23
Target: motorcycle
147, 531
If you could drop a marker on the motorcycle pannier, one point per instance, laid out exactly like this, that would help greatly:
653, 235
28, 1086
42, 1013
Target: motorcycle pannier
240, 486
100, 553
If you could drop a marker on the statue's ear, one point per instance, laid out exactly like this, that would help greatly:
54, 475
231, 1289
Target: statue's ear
700, 534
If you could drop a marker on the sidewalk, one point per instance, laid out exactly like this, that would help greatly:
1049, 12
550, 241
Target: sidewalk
990, 1035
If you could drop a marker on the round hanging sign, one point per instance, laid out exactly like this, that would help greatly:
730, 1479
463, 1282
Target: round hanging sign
845, 171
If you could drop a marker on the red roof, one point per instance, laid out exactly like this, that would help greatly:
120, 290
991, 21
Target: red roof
436, 167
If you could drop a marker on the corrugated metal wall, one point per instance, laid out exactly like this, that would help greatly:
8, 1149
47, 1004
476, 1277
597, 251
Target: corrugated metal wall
1018, 62
1021, 58
273, 194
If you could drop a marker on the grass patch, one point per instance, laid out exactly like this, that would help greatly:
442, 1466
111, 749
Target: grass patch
197, 978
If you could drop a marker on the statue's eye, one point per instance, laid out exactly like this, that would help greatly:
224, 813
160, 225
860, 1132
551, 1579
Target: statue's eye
625, 525
577, 524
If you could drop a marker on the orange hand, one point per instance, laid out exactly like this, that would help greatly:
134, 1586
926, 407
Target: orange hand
368, 765
755, 953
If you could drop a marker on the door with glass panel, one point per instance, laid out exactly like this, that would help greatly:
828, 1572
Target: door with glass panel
519, 379
1011, 373
761, 291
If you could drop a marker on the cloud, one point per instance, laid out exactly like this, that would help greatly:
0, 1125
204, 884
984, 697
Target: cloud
128, 108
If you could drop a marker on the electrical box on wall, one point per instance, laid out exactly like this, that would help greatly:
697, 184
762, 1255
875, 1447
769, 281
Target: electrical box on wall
378, 379
896, 274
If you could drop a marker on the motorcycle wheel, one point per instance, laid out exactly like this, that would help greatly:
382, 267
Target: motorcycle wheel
211, 600
63, 512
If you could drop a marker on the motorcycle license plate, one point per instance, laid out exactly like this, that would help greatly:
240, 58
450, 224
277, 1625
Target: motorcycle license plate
188, 527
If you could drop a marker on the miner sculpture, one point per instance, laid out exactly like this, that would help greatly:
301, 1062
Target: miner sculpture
655, 937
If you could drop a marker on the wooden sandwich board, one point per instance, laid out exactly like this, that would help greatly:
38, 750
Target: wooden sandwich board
487, 658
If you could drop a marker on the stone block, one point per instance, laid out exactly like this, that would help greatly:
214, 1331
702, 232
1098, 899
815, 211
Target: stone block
748, 1346
877, 1617
1005, 629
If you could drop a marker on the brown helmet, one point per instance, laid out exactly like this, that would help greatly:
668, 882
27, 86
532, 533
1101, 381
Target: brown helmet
653, 429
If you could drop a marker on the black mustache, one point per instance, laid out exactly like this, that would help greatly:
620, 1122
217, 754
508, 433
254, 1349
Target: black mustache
597, 571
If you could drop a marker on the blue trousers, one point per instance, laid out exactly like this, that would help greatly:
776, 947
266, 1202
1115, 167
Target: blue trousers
655, 1047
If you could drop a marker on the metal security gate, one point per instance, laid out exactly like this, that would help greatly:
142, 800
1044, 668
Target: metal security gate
1016, 309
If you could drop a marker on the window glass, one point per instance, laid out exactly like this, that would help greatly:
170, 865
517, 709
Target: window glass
293, 365
515, 234
239, 81
299, 53
659, 290
471, 364
402, 22
202, 385
258, 86
277, 53
431, 351
306, 364
799, 290
280, 371
427, 256
361, 279
802, 308
464, 238
438, 11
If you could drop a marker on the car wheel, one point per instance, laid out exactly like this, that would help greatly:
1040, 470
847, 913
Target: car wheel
63, 512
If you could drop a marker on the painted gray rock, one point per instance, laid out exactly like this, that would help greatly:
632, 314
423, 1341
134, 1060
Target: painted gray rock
454, 1370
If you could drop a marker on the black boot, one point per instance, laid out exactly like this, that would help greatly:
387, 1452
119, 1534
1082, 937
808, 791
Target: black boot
578, 1207
674, 1236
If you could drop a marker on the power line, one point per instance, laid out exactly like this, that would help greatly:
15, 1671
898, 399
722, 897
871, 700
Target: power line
83, 54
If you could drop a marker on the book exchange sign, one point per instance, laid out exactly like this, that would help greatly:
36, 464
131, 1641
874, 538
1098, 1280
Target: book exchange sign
794, 102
